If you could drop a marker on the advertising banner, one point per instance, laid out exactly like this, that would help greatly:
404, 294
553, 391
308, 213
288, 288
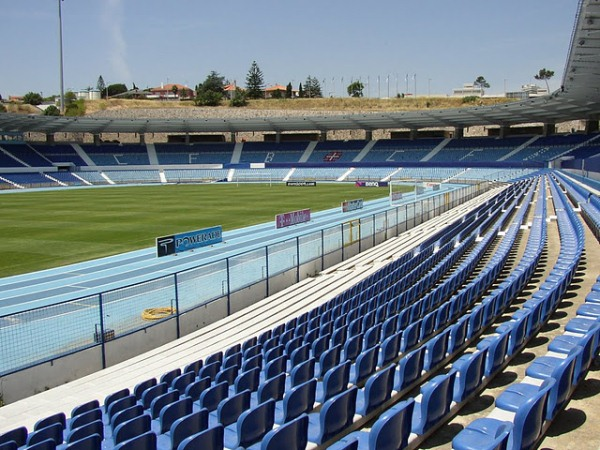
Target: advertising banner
292, 218
352, 205
301, 183
372, 184
178, 243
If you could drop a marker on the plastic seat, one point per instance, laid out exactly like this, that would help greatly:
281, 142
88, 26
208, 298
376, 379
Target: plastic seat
469, 374
301, 373
335, 381
84, 407
527, 426
210, 370
252, 426
111, 398
187, 426
247, 381
181, 382
212, 396
435, 350
161, 401
120, 405
174, 411
335, 415
84, 418
389, 432
227, 375
125, 415
86, 430
132, 428
410, 337
274, 367
47, 444
168, 377
152, 392
409, 369
91, 442
496, 346
196, 388
231, 408
297, 401
458, 334
53, 432
364, 366
146, 441
588, 342
194, 367
352, 347
377, 391
478, 437
329, 358
256, 362
59, 418
290, 436
435, 402
389, 349
17, 435
273, 388
139, 388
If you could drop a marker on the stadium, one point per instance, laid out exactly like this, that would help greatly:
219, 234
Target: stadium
449, 301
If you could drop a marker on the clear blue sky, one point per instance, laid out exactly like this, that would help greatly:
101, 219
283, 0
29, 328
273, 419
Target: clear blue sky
444, 42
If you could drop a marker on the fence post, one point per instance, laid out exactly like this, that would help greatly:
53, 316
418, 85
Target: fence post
102, 331
228, 287
175, 280
297, 259
267, 268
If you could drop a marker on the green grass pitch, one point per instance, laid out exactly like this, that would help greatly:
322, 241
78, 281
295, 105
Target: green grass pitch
45, 229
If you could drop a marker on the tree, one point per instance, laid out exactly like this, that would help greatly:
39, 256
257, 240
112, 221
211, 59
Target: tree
211, 91
255, 82
300, 91
52, 111
355, 89
238, 99
545, 74
312, 88
289, 93
116, 89
101, 86
33, 98
481, 83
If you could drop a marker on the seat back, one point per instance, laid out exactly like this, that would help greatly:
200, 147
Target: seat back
410, 336
111, 398
181, 382
145, 441
17, 435
84, 418
299, 400
227, 375
497, 348
161, 401
169, 376
173, 411
125, 415
86, 430
378, 389
435, 401
248, 380
390, 348
231, 408
195, 389
365, 365
273, 388
194, 367
303, 372
254, 424
337, 414
187, 426
210, 370
329, 358
275, 366
529, 418
470, 368
47, 444
564, 374
291, 436
53, 432
139, 388
212, 396
336, 380
436, 350
91, 442
152, 392
252, 363
458, 334
409, 369
132, 428
59, 418
392, 429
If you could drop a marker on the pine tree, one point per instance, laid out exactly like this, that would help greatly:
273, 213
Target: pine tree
101, 86
254, 82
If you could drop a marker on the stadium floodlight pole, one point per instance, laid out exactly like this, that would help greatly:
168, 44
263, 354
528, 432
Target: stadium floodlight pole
60, 39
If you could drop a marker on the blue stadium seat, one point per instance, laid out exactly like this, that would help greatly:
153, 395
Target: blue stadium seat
297, 401
409, 369
335, 415
139, 388
565, 343
248, 380
227, 375
146, 441
84, 418
84, 407
48, 444
478, 437
252, 426
86, 430
365, 366
292, 435
469, 368
230, 409
187, 426
301, 373
272, 388
377, 391
132, 428
335, 381
329, 358
195, 389
174, 411
168, 377
181, 382
436, 350
435, 402
390, 348
53, 432
161, 401
92, 442
125, 415
212, 396
152, 392
59, 418
17, 435
496, 347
